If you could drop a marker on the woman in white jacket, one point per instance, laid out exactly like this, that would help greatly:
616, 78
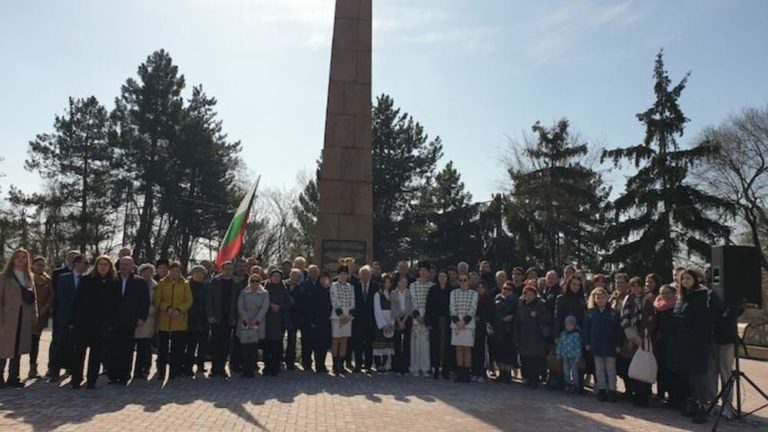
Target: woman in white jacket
342, 314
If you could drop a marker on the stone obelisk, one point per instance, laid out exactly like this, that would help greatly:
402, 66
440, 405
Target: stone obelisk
345, 213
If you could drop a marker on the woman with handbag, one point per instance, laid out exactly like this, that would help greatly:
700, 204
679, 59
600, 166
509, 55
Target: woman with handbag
637, 315
532, 332
18, 313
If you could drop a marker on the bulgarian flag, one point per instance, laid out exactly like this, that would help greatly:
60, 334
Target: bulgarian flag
233, 239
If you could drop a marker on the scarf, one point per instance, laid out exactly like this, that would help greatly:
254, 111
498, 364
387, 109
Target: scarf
660, 304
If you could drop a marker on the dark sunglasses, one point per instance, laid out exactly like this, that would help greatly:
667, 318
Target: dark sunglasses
255, 280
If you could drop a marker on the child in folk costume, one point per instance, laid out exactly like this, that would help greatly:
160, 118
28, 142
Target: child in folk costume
420, 364
385, 327
569, 351
342, 314
463, 307
402, 308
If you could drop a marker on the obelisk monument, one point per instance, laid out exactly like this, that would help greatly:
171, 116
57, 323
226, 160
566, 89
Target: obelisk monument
345, 213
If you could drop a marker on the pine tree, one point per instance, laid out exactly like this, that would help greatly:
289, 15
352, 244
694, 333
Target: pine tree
404, 160
660, 214
76, 159
451, 221
555, 202
199, 199
147, 117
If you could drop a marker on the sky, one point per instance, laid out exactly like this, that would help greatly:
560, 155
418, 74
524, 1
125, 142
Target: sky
476, 73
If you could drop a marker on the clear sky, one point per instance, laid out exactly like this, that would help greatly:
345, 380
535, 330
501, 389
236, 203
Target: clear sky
473, 72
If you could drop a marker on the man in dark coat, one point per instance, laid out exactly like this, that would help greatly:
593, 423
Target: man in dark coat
364, 324
221, 308
62, 343
66, 267
132, 312
295, 289
277, 320
304, 311
317, 322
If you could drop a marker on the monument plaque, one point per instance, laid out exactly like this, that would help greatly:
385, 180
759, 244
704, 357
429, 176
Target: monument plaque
333, 250
345, 211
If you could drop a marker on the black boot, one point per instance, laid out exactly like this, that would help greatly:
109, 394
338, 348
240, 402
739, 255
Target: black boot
699, 414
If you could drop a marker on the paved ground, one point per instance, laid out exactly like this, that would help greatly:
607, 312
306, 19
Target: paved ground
297, 401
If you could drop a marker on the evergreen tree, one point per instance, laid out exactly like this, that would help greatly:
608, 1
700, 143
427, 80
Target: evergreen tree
147, 117
305, 213
498, 242
404, 160
452, 226
555, 202
76, 159
660, 214
199, 199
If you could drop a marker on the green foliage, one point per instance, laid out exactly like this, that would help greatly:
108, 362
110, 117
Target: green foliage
660, 214
76, 160
404, 161
554, 208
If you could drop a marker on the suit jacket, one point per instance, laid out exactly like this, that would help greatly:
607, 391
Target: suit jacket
133, 303
365, 321
213, 303
64, 298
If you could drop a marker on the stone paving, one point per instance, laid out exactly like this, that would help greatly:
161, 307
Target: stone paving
300, 401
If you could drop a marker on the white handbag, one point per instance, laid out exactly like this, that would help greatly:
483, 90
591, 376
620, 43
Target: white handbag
643, 366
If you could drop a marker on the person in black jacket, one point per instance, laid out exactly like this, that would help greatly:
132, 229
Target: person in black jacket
532, 335
303, 302
485, 316
571, 302
505, 310
548, 295
277, 320
196, 345
316, 333
133, 306
437, 316
221, 308
94, 315
294, 287
695, 330
364, 325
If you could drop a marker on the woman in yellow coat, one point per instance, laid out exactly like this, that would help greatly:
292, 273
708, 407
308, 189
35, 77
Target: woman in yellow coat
173, 299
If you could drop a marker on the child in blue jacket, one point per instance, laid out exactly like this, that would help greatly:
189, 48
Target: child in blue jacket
569, 350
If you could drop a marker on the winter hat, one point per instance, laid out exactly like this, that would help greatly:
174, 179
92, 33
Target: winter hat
276, 271
570, 319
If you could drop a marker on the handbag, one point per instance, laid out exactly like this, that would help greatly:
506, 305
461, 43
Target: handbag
644, 366
27, 295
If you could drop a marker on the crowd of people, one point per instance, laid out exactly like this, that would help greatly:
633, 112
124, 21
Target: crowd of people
566, 333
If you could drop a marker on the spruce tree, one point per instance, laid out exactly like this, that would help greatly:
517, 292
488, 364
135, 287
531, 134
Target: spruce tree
660, 214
